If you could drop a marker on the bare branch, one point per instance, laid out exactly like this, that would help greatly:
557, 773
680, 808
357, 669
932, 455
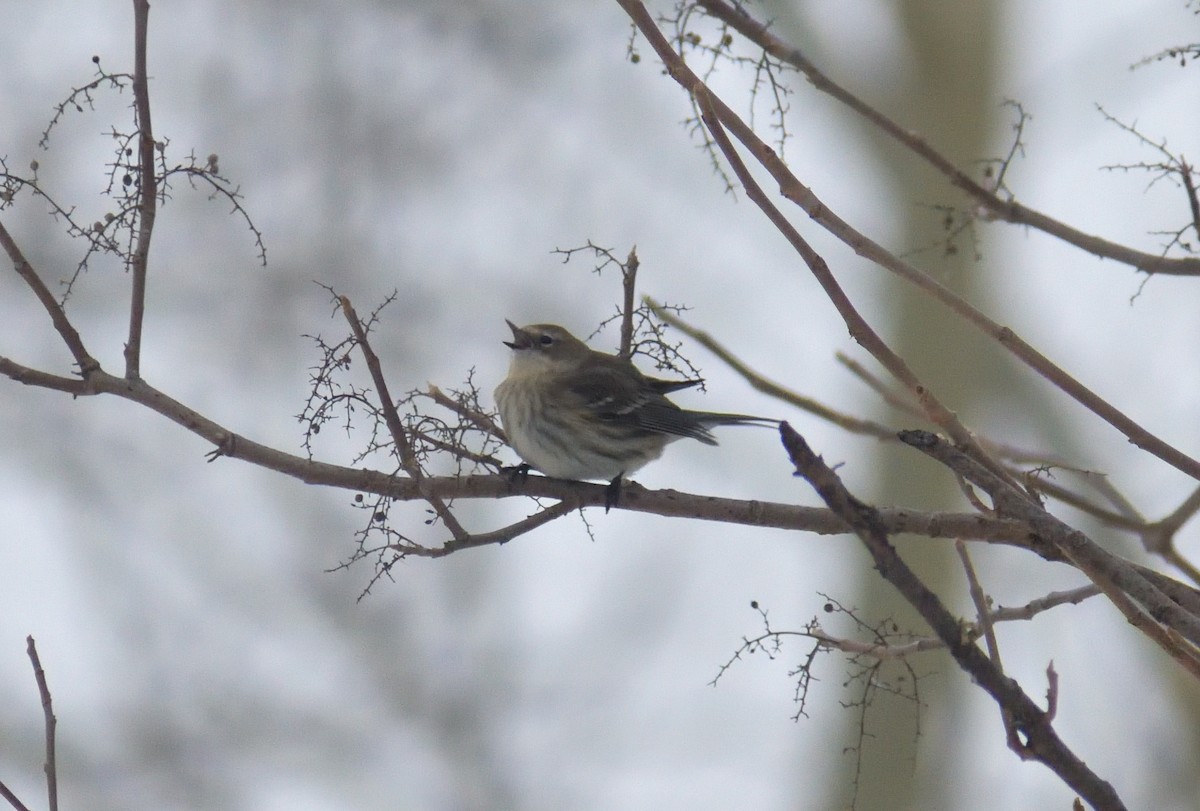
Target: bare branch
1009, 210
902, 402
80, 96
1042, 741
399, 436
884, 650
147, 191
1127, 519
983, 611
792, 189
86, 363
860, 330
1159, 537
1117, 578
770, 387
984, 618
51, 767
499, 536
1051, 600
1051, 691
7, 794
629, 269
890, 394
477, 418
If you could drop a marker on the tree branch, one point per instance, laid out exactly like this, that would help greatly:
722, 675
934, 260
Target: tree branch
12, 799
1117, 578
736, 17
147, 191
392, 419
859, 329
51, 766
1041, 741
58, 316
634, 497
792, 189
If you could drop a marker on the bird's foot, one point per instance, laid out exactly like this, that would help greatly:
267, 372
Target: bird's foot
516, 473
612, 493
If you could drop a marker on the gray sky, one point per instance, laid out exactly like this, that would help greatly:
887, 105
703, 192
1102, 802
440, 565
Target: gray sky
199, 654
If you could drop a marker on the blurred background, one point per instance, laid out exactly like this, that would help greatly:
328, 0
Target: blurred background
200, 653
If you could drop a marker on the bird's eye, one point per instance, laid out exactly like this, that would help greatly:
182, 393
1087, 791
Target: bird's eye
546, 340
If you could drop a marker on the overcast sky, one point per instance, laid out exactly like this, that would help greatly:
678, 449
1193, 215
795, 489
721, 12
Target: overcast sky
200, 654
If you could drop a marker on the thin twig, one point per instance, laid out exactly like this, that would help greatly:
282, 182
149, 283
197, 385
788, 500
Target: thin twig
1159, 537
859, 329
983, 611
767, 386
875, 650
792, 189
984, 618
58, 316
1135, 595
1034, 607
1189, 186
7, 794
51, 722
480, 420
897, 399
499, 536
1009, 210
1042, 742
629, 269
404, 447
1051, 691
878, 650
147, 191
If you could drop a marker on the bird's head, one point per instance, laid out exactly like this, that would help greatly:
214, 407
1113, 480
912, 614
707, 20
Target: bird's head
544, 346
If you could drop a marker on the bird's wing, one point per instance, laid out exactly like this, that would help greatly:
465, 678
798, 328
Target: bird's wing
604, 390
617, 397
661, 415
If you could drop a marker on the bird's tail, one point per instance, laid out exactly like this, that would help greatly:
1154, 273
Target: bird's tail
714, 418
705, 420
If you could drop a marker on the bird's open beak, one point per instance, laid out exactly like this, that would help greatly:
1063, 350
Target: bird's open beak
521, 338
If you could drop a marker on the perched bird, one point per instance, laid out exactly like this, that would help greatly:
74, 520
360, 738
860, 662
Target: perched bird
574, 413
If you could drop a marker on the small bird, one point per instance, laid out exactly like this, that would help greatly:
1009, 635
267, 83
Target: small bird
574, 413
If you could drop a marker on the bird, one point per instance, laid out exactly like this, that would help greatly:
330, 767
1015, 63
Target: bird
572, 412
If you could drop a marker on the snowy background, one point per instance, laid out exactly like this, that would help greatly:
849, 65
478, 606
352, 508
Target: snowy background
200, 655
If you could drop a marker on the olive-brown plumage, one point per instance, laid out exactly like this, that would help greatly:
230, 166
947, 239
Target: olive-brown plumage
574, 413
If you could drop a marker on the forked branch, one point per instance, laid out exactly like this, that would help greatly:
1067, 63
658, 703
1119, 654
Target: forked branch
1040, 742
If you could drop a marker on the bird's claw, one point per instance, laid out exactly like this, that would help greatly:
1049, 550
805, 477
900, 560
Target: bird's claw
612, 493
515, 473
